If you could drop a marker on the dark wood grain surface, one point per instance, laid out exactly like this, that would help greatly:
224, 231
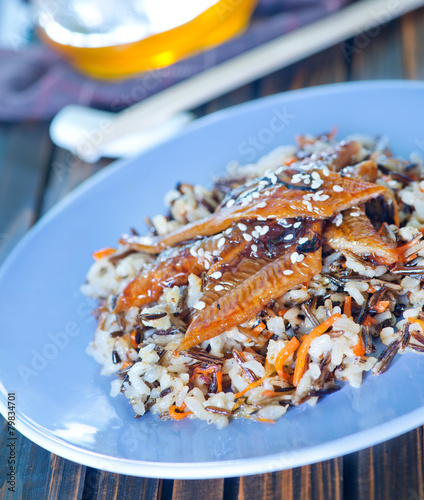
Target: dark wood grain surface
35, 175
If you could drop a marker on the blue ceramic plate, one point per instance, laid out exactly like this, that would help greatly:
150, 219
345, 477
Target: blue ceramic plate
63, 403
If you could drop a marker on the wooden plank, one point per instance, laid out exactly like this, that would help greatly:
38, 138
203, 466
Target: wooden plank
243, 94
206, 489
329, 66
65, 479
102, 484
25, 154
413, 44
389, 471
378, 53
322, 481
43, 474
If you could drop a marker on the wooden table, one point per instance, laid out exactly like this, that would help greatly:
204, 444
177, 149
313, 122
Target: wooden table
34, 175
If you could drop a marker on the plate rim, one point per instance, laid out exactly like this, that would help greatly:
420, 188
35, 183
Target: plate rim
224, 468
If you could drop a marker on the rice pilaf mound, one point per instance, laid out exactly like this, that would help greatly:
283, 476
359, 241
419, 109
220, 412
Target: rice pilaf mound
268, 290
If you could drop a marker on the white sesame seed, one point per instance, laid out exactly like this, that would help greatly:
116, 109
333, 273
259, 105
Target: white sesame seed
242, 227
218, 288
230, 203
193, 252
247, 237
297, 224
207, 265
355, 214
200, 252
303, 240
255, 195
279, 170
310, 207
316, 184
221, 242
338, 220
337, 189
265, 229
216, 275
287, 272
326, 172
289, 237
296, 179
258, 228
262, 204
228, 231
324, 197
259, 218
293, 257
199, 305
300, 257
254, 248
315, 175
255, 234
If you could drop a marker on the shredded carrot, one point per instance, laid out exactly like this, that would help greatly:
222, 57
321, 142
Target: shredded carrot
258, 329
266, 420
268, 335
359, 349
411, 257
418, 321
178, 415
282, 312
290, 160
371, 289
103, 252
306, 344
238, 404
270, 394
348, 306
368, 321
381, 306
133, 338
219, 381
287, 377
201, 371
284, 354
250, 386
126, 364
401, 250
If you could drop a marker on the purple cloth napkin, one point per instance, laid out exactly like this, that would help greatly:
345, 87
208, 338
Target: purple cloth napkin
35, 83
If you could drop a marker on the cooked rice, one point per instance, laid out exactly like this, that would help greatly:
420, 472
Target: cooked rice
139, 345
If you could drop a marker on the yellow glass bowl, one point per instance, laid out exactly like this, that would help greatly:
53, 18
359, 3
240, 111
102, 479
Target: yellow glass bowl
213, 26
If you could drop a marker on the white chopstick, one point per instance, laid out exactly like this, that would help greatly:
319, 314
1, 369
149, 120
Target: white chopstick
256, 63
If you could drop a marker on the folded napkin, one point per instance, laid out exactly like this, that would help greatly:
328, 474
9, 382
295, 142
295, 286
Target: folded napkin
35, 83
